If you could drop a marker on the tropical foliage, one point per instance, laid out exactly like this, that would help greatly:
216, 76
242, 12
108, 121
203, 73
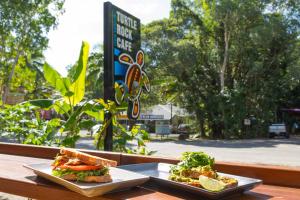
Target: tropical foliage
22, 123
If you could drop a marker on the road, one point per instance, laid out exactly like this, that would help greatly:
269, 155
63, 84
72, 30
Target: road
279, 151
262, 151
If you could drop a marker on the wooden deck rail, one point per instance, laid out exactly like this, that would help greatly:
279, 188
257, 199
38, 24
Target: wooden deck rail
273, 175
18, 180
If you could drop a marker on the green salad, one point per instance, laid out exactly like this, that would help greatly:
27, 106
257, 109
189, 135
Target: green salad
196, 160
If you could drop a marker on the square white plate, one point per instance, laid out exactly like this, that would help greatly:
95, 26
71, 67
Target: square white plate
159, 173
121, 179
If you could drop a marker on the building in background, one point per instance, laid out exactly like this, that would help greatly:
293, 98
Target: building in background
161, 119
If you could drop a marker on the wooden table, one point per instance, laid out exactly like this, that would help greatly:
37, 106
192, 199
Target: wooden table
16, 179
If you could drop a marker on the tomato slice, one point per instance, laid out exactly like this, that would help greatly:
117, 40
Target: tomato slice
80, 167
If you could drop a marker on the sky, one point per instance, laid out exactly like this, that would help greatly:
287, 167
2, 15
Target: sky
83, 20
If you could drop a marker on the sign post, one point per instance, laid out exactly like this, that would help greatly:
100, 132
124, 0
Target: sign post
124, 76
108, 71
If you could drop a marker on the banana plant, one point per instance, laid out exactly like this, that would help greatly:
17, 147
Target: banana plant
71, 103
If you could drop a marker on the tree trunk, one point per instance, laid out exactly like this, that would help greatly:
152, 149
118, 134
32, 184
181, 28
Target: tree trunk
200, 118
219, 128
7, 84
225, 58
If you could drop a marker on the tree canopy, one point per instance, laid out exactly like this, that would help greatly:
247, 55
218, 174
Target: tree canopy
226, 61
23, 38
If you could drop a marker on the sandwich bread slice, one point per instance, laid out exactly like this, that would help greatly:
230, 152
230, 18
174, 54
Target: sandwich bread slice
73, 165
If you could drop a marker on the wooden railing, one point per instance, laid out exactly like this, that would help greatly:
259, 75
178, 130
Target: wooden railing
272, 175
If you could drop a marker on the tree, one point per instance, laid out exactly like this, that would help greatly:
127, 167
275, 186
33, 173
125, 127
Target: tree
95, 72
226, 60
40, 88
23, 29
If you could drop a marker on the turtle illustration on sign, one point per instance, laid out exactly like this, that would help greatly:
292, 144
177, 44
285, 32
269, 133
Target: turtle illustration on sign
136, 81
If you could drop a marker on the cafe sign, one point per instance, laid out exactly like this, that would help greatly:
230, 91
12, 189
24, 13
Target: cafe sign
124, 75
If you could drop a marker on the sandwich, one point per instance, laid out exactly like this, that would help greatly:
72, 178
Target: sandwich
73, 165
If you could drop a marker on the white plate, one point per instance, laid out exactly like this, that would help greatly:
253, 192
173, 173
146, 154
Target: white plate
121, 179
159, 173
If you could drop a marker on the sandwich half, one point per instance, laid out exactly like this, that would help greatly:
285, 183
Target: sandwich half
73, 165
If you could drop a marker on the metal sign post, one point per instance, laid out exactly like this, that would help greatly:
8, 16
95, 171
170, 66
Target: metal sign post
108, 70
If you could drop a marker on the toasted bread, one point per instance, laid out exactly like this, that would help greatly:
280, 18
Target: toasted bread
229, 182
88, 159
98, 179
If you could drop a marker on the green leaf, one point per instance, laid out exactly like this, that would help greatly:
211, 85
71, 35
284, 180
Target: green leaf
67, 83
140, 140
56, 80
78, 79
87, 124
42, 103
61, 107
118, 94
94, 109
51, 75
71, 122
55, 122
102, 102
70, 141
98, 115
91, 105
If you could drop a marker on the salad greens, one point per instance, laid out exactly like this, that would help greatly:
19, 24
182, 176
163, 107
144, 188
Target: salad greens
193, 160
196, 159
80, 174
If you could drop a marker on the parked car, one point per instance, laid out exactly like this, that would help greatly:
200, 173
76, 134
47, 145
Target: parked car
184, 129
278, 129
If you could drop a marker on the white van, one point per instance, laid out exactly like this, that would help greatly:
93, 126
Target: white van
278, 130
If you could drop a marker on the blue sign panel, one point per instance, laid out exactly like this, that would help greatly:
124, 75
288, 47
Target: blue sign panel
128, 61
